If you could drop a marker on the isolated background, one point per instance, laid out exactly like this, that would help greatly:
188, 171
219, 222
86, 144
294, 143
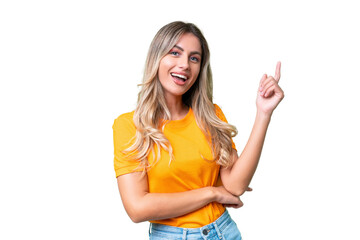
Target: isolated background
69, 68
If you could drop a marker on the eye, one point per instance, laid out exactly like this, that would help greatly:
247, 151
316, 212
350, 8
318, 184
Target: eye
174, 53
195, 59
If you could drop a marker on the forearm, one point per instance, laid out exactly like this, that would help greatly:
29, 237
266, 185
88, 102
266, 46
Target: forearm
237, 179
141, 205
156, 206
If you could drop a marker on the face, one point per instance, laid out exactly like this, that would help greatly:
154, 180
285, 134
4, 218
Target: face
180, 68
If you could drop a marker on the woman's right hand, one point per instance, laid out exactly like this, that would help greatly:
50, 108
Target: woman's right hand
226, 198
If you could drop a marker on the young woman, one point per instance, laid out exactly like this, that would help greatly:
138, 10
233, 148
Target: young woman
175, 161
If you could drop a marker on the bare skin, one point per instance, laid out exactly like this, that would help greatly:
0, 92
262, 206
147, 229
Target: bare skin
140, 204
237, 178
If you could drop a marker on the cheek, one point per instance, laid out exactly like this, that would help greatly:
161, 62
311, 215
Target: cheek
166, 63
196, 72
164, 67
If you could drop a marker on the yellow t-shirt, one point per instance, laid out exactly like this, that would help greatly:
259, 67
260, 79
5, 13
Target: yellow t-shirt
187, 171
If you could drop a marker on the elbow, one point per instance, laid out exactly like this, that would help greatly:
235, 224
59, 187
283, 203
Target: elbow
139, 210
136, 214
137, 217
236, 190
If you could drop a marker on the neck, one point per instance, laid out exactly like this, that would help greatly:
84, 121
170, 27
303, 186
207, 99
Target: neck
177, 108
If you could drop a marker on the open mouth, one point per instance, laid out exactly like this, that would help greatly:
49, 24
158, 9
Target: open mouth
179, 77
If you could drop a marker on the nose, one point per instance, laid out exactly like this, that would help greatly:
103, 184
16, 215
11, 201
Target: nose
184, 62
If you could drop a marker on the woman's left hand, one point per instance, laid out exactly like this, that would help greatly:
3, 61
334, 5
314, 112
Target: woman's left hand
269, 93
248, 189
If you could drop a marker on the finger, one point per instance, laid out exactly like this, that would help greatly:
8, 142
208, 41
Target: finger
249, 189
277, 71
263, 78
276, 89
279, 92
268, 86
267, 82
232, 205
269, 91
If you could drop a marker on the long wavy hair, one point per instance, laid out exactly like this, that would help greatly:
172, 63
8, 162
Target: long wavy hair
151, 109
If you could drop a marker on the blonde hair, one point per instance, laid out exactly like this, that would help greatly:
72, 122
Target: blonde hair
151, 110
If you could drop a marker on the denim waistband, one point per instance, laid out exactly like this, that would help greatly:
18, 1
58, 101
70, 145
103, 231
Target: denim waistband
218, 225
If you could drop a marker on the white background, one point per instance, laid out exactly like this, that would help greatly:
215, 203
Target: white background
69, 68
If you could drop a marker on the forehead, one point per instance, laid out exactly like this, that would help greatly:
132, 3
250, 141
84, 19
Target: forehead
189, 42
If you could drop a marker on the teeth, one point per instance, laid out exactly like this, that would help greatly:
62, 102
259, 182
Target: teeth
178, 75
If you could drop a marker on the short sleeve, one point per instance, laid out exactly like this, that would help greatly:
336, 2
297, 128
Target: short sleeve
124, 136
221, 116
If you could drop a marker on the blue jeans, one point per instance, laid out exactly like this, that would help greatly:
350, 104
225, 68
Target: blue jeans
224, 228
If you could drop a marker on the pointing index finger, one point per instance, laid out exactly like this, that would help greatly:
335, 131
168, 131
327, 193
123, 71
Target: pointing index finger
277, 71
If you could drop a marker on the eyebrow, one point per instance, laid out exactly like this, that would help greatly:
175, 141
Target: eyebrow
194, 52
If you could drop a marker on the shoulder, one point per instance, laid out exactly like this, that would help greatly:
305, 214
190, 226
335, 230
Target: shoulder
124, 121
217, 108
219, 113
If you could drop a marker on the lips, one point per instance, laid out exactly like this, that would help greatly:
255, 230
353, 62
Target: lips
178, 81
179, 78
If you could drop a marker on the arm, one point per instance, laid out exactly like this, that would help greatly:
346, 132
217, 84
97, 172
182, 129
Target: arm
237, 178
141, 205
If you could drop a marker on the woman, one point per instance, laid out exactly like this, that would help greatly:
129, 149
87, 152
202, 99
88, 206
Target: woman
171, 152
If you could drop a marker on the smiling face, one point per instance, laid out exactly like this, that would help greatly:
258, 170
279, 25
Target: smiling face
179, 69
